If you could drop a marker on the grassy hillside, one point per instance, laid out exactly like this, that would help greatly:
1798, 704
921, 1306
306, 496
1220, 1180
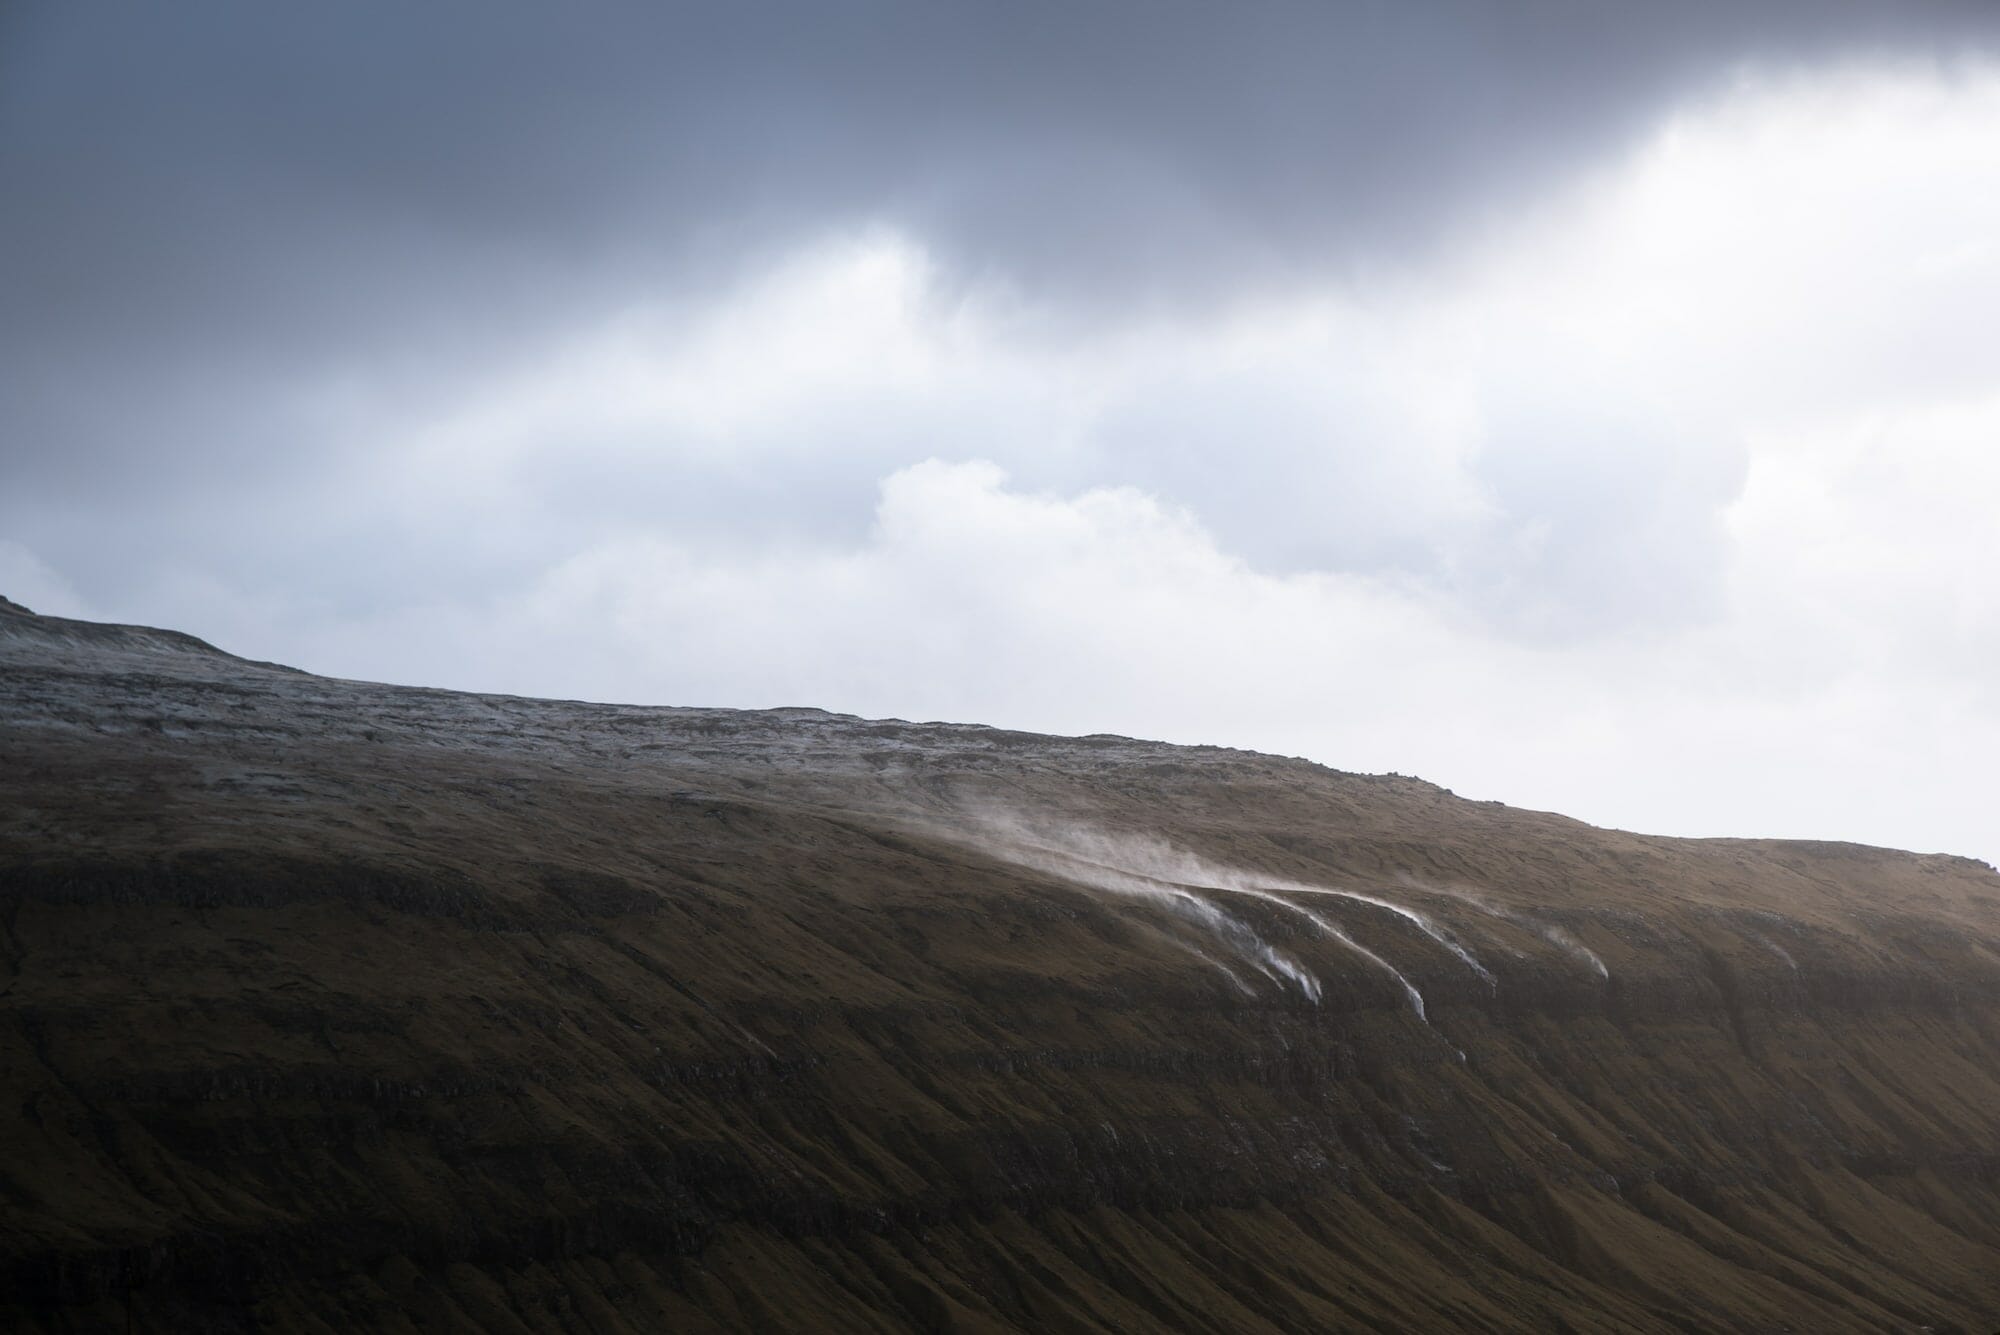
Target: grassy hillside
329, 1006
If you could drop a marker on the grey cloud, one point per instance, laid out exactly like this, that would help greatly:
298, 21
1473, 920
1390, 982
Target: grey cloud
221, 216
243, 171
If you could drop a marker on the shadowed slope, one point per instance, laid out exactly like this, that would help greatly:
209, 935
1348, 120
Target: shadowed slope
328, 1005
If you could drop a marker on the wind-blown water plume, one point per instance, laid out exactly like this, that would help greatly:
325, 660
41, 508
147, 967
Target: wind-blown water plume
1555, 935
1424, 922
1149, 855
1131, 863
1329, 929
1235, 979
1088, 858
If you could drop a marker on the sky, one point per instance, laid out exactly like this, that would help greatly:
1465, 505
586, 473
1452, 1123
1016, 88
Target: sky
1590, 407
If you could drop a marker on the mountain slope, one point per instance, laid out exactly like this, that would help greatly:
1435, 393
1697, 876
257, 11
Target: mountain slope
327, 1005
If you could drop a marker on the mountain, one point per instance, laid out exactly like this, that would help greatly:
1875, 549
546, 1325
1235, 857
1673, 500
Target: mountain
330, 1006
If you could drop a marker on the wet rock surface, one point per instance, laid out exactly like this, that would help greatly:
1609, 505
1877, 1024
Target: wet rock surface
328, 1005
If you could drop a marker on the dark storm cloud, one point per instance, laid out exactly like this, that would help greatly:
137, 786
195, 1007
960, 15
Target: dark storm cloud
230, 173
215, 214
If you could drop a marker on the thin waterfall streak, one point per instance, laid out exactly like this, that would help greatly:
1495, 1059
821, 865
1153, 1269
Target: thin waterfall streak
1235, 978
1550, 932
1176, 898
1337, 933
1422, 922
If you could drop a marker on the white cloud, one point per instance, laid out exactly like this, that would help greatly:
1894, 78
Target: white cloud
1104, 611
1668, 506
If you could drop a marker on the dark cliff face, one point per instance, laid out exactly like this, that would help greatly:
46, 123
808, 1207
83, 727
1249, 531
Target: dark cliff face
330, 1006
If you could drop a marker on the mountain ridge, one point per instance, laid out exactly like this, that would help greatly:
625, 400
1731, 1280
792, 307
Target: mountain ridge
338, 1004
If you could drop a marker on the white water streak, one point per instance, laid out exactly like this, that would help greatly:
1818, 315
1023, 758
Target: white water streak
1154, 868
1780, 952
1158, 860
1561, 937
1019, 846
1425, 924
1554, 935
1217, 964
1330, 929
